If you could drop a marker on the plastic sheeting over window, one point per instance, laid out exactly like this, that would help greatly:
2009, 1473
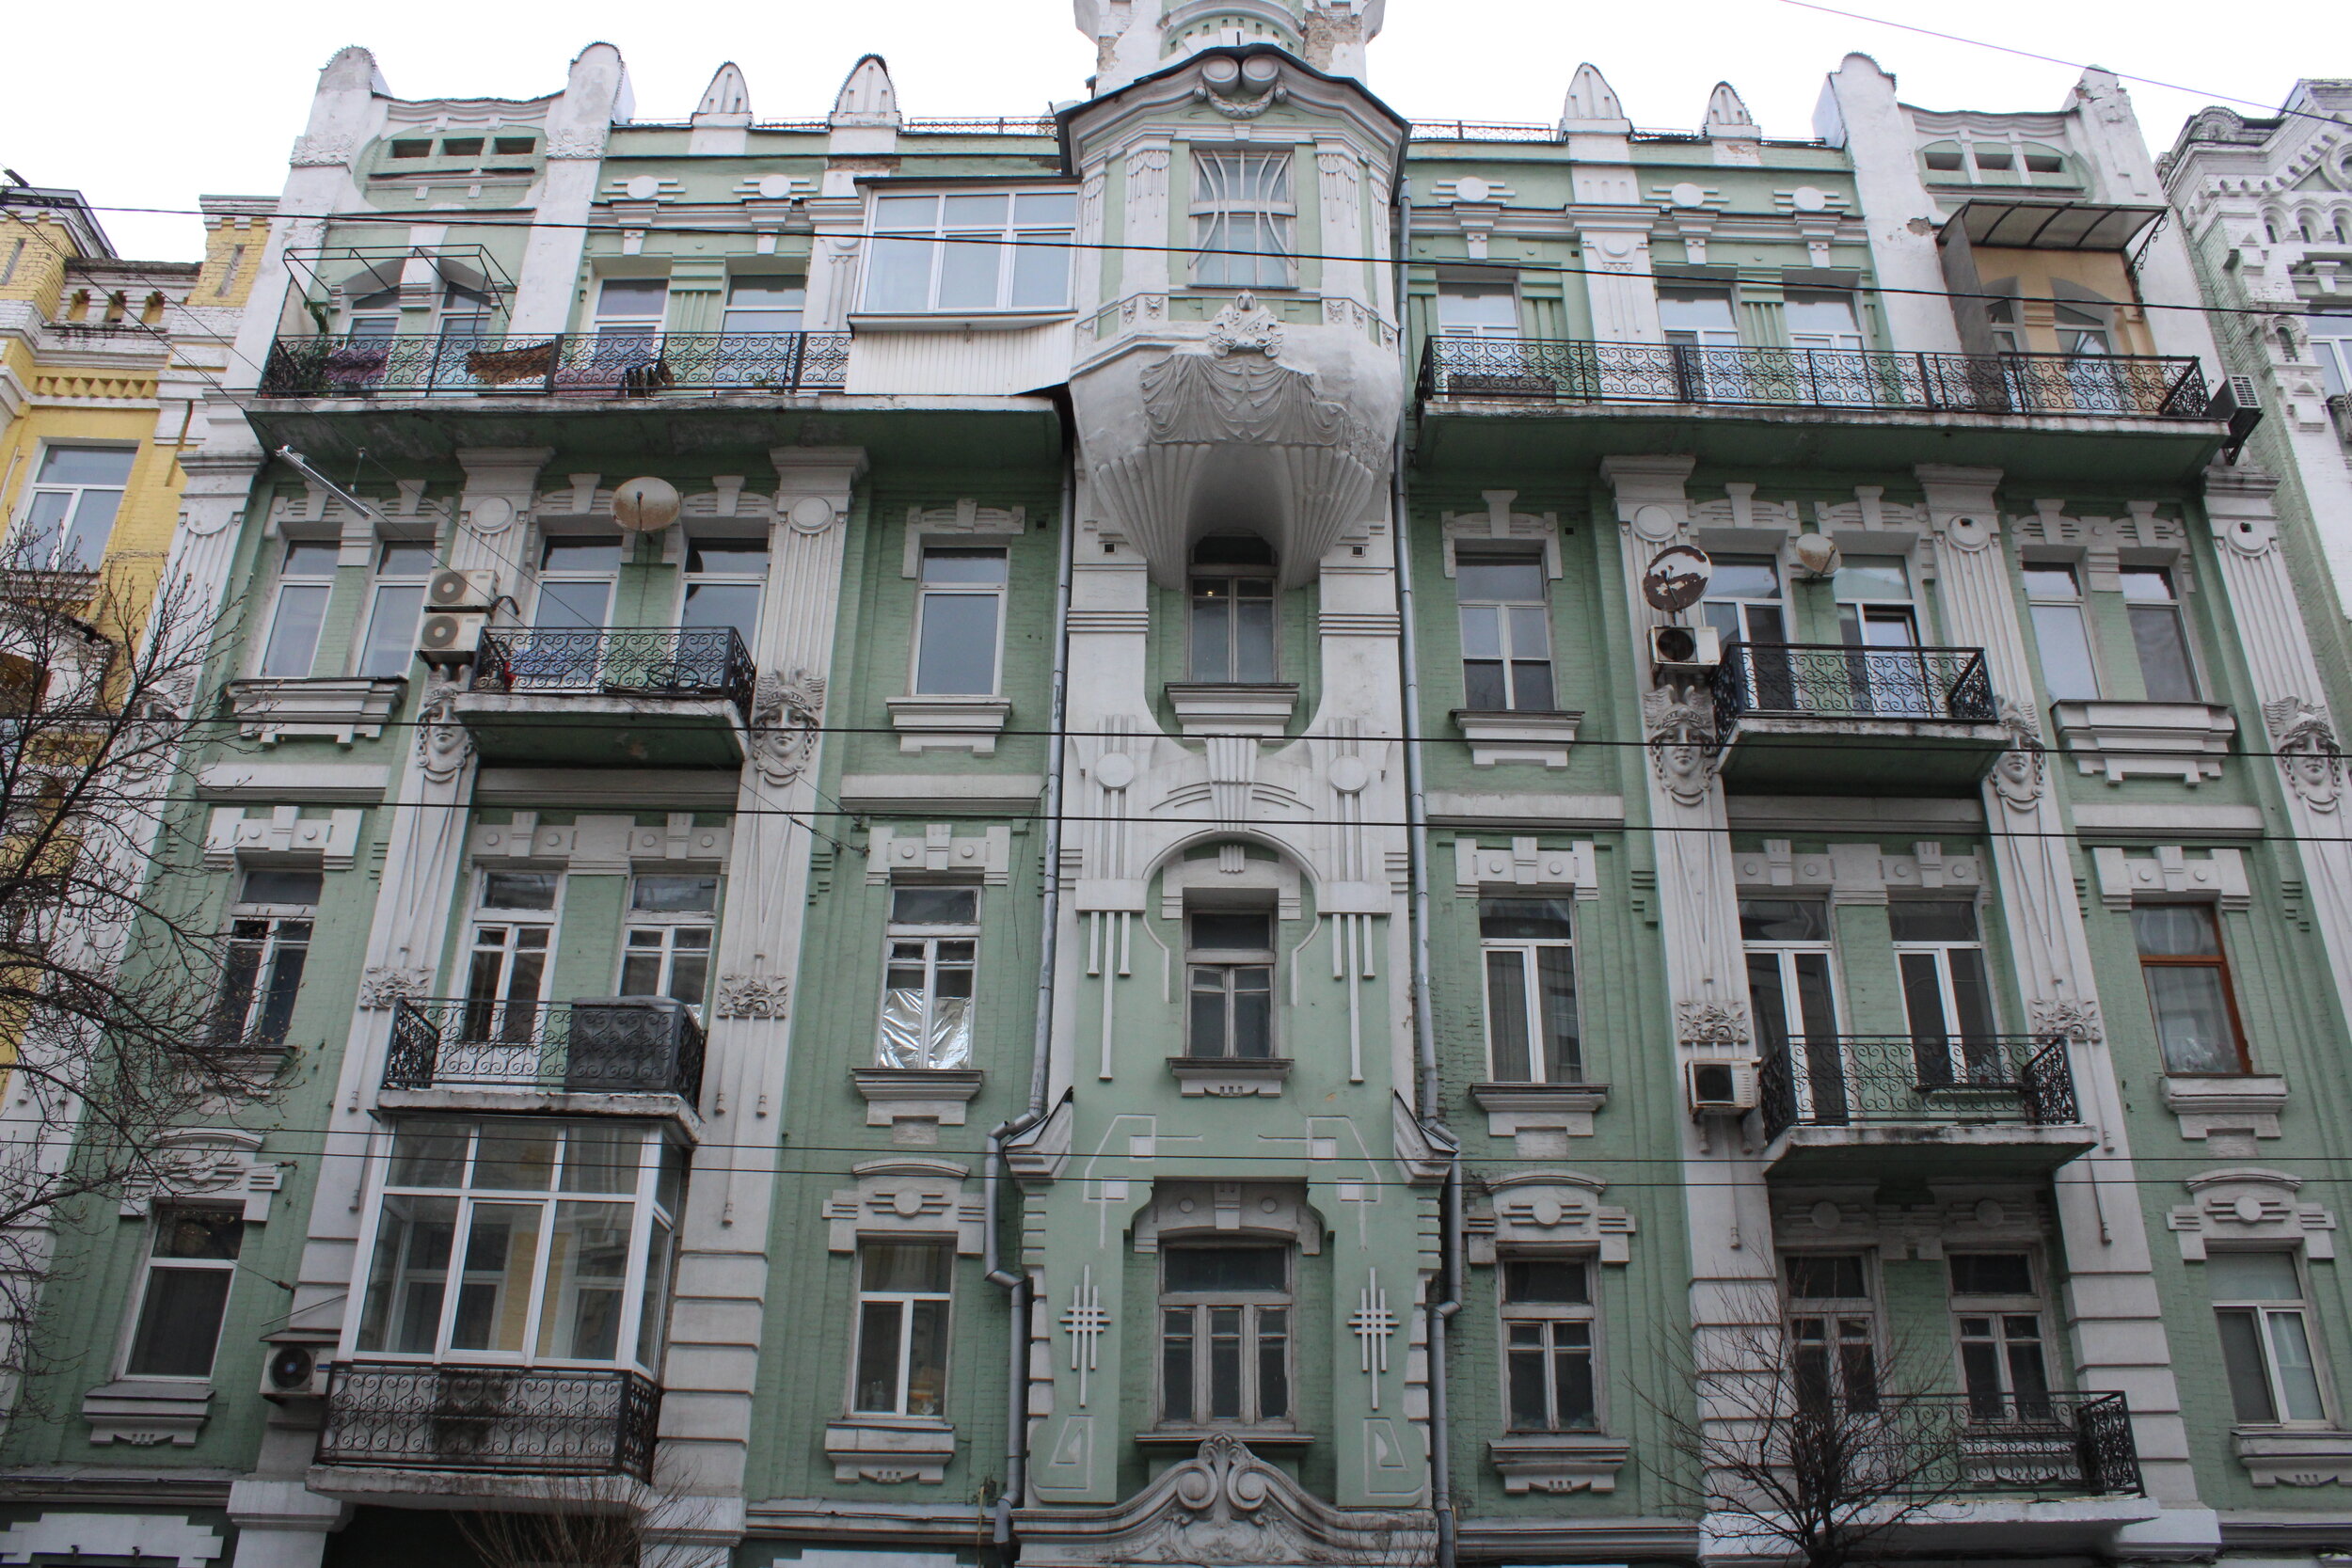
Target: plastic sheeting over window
926, 1005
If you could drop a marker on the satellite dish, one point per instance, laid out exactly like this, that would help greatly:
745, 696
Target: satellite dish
1677, 578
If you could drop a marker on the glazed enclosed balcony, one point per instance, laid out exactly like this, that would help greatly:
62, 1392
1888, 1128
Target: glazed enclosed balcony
661, 696
561, 365
1833, 719
493, 1420
1891, 1106
633, 1054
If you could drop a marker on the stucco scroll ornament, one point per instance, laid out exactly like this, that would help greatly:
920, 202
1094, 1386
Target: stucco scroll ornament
385, 985
2018, 777
576, 144
443, 747
2309, 758
1712, 1022
320, 152
2074, 1018
1681, 742
1245, 326
754, 996
785, 713
1241, 108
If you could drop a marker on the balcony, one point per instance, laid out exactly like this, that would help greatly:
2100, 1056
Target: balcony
589, 1055
1899, 1106
666, 697
1962, 1448
507, 1420
566, 364
1828, 718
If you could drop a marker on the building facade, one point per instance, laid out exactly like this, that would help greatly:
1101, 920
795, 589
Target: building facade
1219, 830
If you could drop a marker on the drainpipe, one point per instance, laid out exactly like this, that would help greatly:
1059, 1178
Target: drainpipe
1427, 1102
1041, 1056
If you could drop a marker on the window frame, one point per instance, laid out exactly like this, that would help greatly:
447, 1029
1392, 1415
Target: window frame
2078, 605
1507, 623
2173, 612
1837, 1312
728, 309
668, 925
930, 935
1471, 289
551, 576
2003, 1308
1234, 576
1671, 290
482, 913
926, 591
379, 582
1228, 963
2219, 960
160, 1213
688, 579
603, 324
67, 522
1274, 216
1973, 1055
2332, 349
1012, 237
1584, 1314
1253, 1306
273, 943
285, 583
861, 1295
2263, 1310
1531, 950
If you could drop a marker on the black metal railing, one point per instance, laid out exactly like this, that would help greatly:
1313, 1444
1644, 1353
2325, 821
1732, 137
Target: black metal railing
1842, 1080
514, 1420
607, 1045
1956, 1445
584, 364
651, 661
1559, 370
1829, 680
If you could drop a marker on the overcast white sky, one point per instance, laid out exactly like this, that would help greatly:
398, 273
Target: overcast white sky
156, 105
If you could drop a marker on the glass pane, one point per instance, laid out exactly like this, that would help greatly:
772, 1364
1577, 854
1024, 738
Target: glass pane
878, 1351
1991, 1274
1506, 1016
39, 531
275, 1016
1816, 1006
93, 521
2192, 1019
1478, 307
1224, 1363
1744, 578
1206, 1034
633, 296
1490, 581
2175, 932
294, 632
428, 1153
1253, 1015
180, 1322
975, 212
1274, 1382
572, 606
1692, 311
1525, 1374
727, 558
2291, 1353
580, 553
926, 1359
1931, 920
2242, 1355
673, 895
968, 271
1045, 208
767, 293
935, 906
1524, 919
393, 629
494, 1284
410, 1271
1212, 633
1827, 1276
1253, 639
1784, 920
2164, 666
951, 1023
1572, 1384
1041, 272
519, 889
1923, 1004
1863, 577
1972, 992
905, 212
1482, 632
602, 1159
1482, 689
653, 1321
1190, 1269
2252, 1276
957, 656
1233, 933
587, 1281
898, 275
1176, 1365
952, 564
1829, 315
1546, 1280
711, 605
86, 466
919, 1266
1531, 637
1555, 990
514, 1157
2066, 667
1531, 687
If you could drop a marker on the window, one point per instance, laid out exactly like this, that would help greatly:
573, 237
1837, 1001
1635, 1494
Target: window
1232, 610
191, 1263
269, 941
402, 568
2158, 634
1743, 600
1243, 215
2082, 332
71, 513
1697, 318
2054, 600
525, 1242
416, 148
2008, 333
1225, 1336
575, 573
2188, 988
373, 317
506, 971
724, 578
1874, 606
1822, 320
1793, 997
1547, 1344
305, 582
1467, 309
512, 146
763, 304
2332, 345
461, 147
997, 250
1532, 1033
1231, 957
631, 306
2259, 1305
1507, 631
666, 948
1948, 1000
927, 992
903, 1300
962, 609
1996, 1318
1833, 1332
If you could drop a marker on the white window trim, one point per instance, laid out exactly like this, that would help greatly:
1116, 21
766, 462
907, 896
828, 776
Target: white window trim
930, 936
2304, 1307
1529, 947
1253, 1301
630, 327
1281, 217
758, 579
2080, 604
1230, 959
1508, 1313
1516, 556
923, 591
544, 577
158, 1214
34, 487
1006, 237
379, 579
280, 582
860, 1296
272, 945
2037, 1304
480, 914
1267, 575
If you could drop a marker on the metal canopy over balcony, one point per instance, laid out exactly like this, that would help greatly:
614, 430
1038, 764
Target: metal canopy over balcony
658, 696
1828, 718
617, 1045
563, 364
2051, 224
512, 1421
1899, 1106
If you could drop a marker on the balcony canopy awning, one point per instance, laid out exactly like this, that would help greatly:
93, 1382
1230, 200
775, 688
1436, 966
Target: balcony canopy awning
2051, 224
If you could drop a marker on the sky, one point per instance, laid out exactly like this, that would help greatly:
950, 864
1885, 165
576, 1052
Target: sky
197, 105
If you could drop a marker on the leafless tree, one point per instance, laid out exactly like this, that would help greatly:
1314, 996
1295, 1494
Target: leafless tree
596, 1522
114, 1027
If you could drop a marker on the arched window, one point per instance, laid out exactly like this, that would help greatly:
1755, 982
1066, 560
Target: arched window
1231, 622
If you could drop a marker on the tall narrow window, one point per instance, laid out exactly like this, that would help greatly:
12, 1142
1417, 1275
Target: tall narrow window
1532, 1032
402, 569
2332, 345
2188, 988
724, 578
958, 621
904, 1289
1242, 218
1996, 1318
575, 573
506, 969
191, 1263
2158, 634
1947, 999
1231, 958
666, 949
1232, 610
1547, 1344
1822, 320
1483, 307
1794, 1001
927, 994
269, 942
71, 514
2053, 598
1225, 1336
305, 580
2008, 335
1833, 1331
2265, 1318
1507, 631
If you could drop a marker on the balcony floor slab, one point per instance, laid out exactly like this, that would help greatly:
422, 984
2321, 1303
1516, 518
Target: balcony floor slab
565, 729
1775, 755
385, 1486
488, 1102
1917, 1151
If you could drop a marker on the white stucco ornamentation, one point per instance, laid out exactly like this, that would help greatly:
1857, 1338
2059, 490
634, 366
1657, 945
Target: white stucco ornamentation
1681, 742
2309, 758
785, 713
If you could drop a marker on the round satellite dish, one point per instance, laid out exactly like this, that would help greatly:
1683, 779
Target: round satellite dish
646, 505
1677, 578
1815, 553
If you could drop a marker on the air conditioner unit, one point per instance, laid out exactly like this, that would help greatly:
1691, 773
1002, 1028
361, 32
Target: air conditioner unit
2235, 400
1686, 648
1720, 1088
297, 1366
455, 590
451, 636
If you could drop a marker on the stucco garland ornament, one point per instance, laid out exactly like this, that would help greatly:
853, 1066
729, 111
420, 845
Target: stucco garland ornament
2018, 777
1227, 1505
2070, 1017
1681, 742
1712, 1022
385, 986
754, 996
785, 713
443, 747
1245, 326
2309, 758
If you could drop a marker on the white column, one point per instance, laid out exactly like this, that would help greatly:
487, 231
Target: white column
1858, 112
596, 94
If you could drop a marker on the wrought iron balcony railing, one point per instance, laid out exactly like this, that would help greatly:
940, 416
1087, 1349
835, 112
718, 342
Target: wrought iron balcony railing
581, 364
654, 661
1842, 1080
1956, 1445
607, 1045
1815, 680
513, 1420
1557, 371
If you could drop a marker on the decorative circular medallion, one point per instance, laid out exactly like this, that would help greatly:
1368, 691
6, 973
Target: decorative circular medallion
1114, 770
1688, 195
1824, 1215
490, 515
811, 514
1808, 198
1349, 774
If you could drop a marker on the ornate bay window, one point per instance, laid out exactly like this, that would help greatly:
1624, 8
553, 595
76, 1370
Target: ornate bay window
1244, 216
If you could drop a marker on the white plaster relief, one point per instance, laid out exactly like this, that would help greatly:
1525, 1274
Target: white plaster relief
898, 1199
941, 850
2173, 872
1858, 873
2250, 1205
284, 837
1523, 869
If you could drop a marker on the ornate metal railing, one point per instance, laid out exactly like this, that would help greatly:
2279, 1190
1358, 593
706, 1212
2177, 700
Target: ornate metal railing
1483, 130
607, 1045
507, 1418
1840, 1080
580, 364
1557, 370
651, 661
1957, 1446
1817, 680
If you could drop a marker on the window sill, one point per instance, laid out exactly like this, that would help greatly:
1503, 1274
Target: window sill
1517, 737
1234, 707
145, 1412
1229, 1077
890, 1448
2243, 1105
949, 724
2181, 740
2292, 1456
1554, 1462
896, 1096
341, 708
1257, 1437
1526, 1112
954, 321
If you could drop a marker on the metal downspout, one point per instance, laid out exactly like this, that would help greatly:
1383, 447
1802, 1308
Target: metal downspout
1428, 1101
1040, 1058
